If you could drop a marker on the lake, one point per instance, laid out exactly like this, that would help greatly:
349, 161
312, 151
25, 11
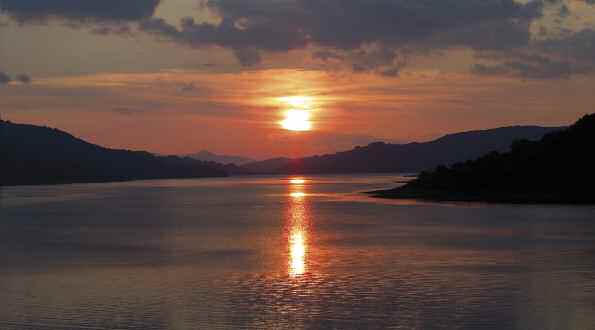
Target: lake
306, 252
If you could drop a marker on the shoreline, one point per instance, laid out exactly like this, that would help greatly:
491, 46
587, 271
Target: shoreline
406, 192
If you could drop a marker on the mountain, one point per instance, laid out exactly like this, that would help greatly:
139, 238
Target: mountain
269, 166
382, 157
559, 168
40, 155
221, 159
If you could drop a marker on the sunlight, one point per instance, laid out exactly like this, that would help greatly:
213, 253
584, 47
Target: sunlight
297, 194
297, 181
297, 121
298, 113
297, 250
300, 102
297, 231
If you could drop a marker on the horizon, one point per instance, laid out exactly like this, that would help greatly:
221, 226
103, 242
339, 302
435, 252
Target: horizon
169, 77
257, 159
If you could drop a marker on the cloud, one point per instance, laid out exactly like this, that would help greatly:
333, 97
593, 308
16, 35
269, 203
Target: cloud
548, 59
251, 27
528, 67
488, 35
327, 55
186, 87
23, 78
347, 24
4, 78
377, 36
245, 41
247, 56
113, 29
384, 60
579, 46
79, 10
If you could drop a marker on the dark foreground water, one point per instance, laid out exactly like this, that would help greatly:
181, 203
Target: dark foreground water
277, 253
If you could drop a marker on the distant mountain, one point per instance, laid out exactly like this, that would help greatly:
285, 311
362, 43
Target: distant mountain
413, 157
221, 159
269, 166
557, 169
40, 155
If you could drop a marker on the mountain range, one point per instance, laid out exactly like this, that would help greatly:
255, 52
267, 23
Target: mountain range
383, 157
208, 156
41, 155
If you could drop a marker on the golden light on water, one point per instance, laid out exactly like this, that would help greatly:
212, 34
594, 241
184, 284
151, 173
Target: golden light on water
298, 228
297, 194
297, 253
297, 181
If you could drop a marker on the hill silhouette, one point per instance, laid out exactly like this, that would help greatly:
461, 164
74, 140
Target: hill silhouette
556, 169
382, 157
208, 156
40, 155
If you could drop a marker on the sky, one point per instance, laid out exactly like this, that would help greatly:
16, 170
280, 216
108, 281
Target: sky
179, 76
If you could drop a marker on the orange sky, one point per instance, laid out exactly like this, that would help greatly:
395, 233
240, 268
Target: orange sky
239, 113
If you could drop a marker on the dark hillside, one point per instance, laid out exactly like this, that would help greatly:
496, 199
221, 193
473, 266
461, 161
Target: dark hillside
556, 169
40, 155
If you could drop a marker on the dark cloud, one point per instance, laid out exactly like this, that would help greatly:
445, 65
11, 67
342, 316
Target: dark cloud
579, 46
4, 78
564, 11
23, 78
246, 40
250, 27
348, 24
79, 10
488, 35
383, 60
247, 56
547, 59
327, 55
395, 71
113, 29
186, 87
367, 35
527, 67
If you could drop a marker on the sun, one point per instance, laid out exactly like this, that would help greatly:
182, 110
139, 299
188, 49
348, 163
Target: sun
297, 121
298, 116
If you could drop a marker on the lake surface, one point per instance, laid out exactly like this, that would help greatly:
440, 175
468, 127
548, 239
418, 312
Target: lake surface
287, 253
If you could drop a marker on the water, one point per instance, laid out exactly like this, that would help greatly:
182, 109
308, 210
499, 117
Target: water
287, 253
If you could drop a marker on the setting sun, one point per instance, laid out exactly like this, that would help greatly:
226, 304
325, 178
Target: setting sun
297, 120
297, 117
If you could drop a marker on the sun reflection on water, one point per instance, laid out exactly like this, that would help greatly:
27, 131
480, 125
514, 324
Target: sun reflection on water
297, 181
297, 247
297, 228
297, 195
